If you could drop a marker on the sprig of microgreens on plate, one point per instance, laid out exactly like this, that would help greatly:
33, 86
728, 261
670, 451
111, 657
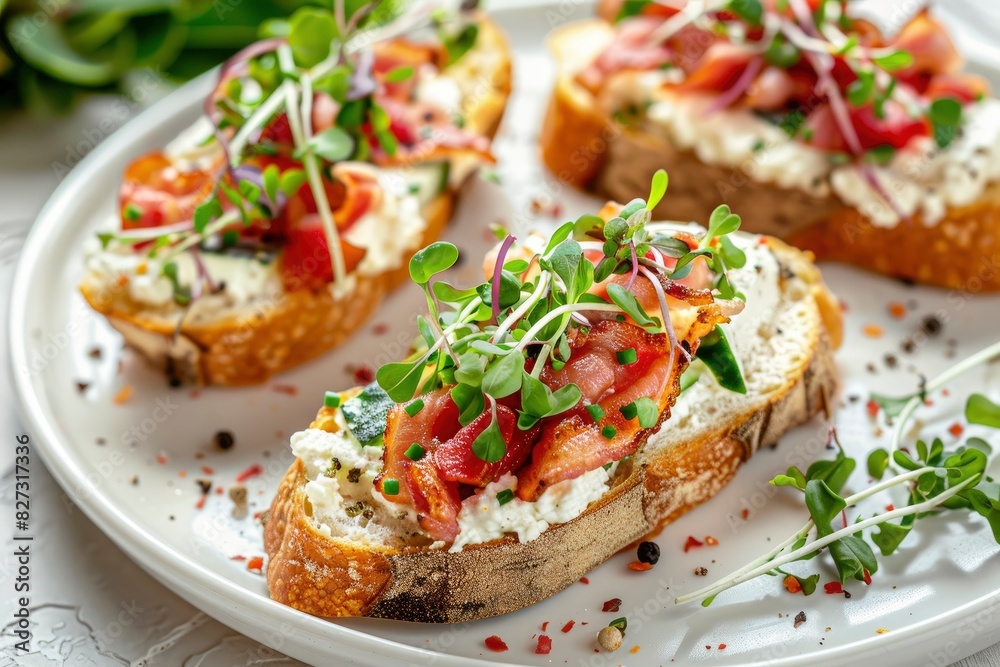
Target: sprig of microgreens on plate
492, 340
936, 479
316, 50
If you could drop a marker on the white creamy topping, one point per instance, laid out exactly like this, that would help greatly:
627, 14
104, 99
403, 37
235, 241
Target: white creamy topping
920, 178
389, 231
440, 90
332, 494
191, 149
482, 517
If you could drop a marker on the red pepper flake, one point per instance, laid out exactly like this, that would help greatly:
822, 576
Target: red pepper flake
238, 558
568, 626
219, 491
691, 543
208, 470
722, 647
956, 430
365, 375
161, 459
125, 393
745, 513
201, 502
868, 577
614, 604
255, 564
252, 471
495, 644
833, 588
182, 473
639, 566
380, 329
584, 580
195, 393
897, 310
634, 649
928, 402
872, 331
889, 508
792, 585
762, 240
545, 625
873, 408
287, 389
544, 645
711, 541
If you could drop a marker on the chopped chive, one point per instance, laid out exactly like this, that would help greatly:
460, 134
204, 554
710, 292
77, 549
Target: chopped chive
505, 496
390, 487
331, 400
630, 411
414, 407
596, 412
132, 212
609, 431
626, 357
415, 452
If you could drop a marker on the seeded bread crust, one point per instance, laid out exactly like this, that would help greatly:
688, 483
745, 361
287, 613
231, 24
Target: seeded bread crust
330, 576
587, 149
273, 335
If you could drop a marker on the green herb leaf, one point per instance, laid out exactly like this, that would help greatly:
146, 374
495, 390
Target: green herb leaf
400, 380
366, 414
311, 31
732, 256
588, 226
471, 369
718, 356
332, 144
628, 303
890, 536
750, 11
503, 377
272, 182
291, 180
878, 461
657, 189
399, 74
433, 259
983, 411
206, 212
893, 61
722, 222
489, 445
945, 115
470, 402
450, 294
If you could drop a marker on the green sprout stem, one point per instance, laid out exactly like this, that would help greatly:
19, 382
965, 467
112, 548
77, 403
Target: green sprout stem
215, 226
539, 292
747, 573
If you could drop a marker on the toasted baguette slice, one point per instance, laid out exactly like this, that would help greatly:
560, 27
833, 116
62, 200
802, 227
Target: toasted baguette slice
585, 147
276, 331
787, 357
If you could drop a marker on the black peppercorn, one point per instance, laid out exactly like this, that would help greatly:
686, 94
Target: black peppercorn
224, 440
648, 552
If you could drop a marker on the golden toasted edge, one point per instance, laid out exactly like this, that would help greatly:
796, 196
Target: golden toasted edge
961, 251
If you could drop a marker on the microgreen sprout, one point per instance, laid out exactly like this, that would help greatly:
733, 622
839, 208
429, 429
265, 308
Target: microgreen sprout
935, 478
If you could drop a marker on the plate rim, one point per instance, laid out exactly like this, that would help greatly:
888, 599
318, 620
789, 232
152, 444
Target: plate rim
183, 575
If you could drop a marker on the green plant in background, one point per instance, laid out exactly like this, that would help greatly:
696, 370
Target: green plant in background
53, 51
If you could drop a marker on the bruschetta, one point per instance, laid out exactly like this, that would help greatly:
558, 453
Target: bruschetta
862, 146
602, 381
272, 229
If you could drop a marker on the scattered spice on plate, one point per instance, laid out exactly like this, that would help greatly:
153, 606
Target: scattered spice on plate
207, 470
722, 647
82, 386
287, 389
610, 638
135, 480
94, 352
711, 541
648, 552
931, 325
380, 329
544, 645
204, 485
125, 393
792, 585
897, 310
584, 580
569, 626
614, 604
161, 459
251, 471
881, 631
238, 494
833, 588
890, 507
364, 375
545, 625
956, 430
745, 513
872, 407
223, 440
800, 618
255, 564
691, 543
639, 566
495, 644
634, 649
872, 331
701, 572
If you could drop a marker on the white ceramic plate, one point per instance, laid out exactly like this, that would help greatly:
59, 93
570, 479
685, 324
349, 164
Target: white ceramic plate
133, 468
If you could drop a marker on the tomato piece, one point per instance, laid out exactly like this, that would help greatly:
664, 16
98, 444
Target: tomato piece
457, 462
155, 193
306, 262
437, 501
719, 69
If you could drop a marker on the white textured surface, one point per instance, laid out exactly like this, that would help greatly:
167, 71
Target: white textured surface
81, 580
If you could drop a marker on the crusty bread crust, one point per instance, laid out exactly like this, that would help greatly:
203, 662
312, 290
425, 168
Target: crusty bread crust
336, 577
587, 149
270, 337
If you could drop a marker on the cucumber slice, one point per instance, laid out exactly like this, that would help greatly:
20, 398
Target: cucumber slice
717, 354
427, 179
